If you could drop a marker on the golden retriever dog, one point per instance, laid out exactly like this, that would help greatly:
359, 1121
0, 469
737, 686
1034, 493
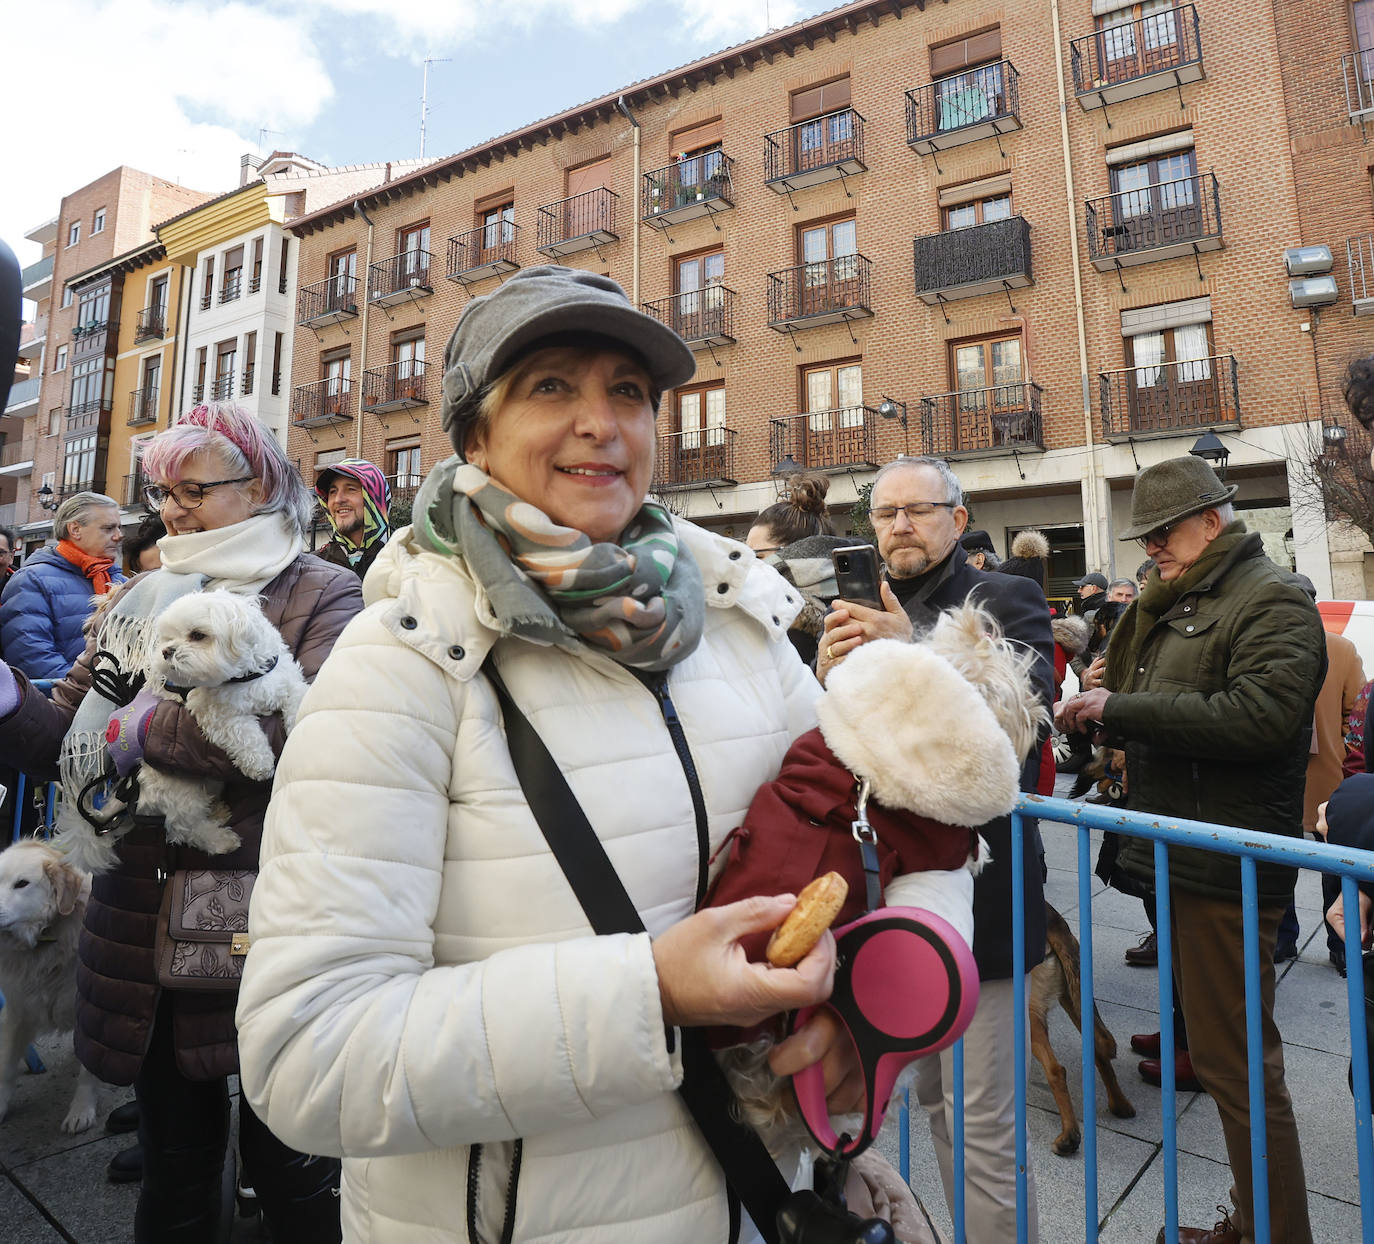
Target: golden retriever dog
1056, 981
42, 903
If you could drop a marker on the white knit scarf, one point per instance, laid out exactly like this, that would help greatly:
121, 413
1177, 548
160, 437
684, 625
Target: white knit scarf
243, 558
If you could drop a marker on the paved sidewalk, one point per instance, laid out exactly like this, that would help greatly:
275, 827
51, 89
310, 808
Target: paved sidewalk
53, 1189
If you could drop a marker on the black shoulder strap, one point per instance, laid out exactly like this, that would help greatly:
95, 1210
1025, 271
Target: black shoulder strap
748, 1168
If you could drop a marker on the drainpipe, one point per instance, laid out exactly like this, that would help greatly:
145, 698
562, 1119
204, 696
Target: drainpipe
362, 355
634, 202
1095, 534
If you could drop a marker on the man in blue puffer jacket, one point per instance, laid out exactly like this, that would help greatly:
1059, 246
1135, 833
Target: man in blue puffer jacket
46, 602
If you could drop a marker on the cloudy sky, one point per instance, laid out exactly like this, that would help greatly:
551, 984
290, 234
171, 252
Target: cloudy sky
182, 88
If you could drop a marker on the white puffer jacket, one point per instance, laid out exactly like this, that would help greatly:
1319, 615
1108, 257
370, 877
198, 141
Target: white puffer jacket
423, 986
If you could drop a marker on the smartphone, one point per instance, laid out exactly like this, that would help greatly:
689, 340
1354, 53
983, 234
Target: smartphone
856, 574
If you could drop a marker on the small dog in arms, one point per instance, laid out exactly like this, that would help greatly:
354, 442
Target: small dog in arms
217, 652
42, 905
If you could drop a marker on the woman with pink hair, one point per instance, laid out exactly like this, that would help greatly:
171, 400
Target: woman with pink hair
236, 513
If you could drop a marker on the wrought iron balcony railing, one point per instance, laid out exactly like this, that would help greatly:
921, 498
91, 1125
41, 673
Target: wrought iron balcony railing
231, 289
152, 323
1170, 397
1359, 258
222, 387
1180, 217
1358, 71
401, 278
404, 487
699, 185
810, 152
132, 494
698, 458
322, 401
963, 108
483, 252
327, 301
1131, 58
86, 416
249, 373
700, 317
826, 439
999, 418
577, 223
819, 293
982, 259
143, 406
396, 386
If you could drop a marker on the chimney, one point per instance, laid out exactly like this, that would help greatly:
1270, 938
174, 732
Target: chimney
249, 164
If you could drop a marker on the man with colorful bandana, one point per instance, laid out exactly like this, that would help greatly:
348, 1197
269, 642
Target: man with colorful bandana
356, 497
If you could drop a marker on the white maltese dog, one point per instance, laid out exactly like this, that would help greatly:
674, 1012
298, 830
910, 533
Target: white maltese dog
218, 653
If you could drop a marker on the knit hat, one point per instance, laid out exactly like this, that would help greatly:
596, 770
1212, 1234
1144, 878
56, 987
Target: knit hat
1171, 490
541, 302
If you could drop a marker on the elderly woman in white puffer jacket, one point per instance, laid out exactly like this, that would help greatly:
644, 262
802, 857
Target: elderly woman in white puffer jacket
424, 995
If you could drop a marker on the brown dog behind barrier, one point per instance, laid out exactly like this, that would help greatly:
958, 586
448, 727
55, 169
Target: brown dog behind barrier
1056, 980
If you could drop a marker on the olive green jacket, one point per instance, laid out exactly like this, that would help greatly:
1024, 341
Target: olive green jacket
1218, 725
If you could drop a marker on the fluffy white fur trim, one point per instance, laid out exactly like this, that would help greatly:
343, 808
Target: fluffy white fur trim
1030, 544
904, 718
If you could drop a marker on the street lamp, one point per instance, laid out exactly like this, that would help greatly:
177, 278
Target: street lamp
782, 474
890, 408
46, 498
1210, 449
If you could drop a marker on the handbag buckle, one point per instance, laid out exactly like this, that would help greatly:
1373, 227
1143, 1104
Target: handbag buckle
239, 943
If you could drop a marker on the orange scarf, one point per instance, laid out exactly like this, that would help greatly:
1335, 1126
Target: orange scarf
96, 569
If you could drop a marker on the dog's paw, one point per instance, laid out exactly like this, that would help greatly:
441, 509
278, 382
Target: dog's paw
259, 768
1067, 1142
219, 841
79, 1118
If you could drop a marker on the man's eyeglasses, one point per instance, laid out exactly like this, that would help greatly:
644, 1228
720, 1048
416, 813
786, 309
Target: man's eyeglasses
1159, 536
188, 494
917, 509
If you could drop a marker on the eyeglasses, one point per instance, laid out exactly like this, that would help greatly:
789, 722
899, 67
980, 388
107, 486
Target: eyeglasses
188, 494
917, 509
1159, 536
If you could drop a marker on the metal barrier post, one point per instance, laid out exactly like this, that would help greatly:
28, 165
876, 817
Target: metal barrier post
1164, 941
1254, 1051
957, 1139
1088, 1032
904, 1138
1359, 1045
1018, 1022
19, 790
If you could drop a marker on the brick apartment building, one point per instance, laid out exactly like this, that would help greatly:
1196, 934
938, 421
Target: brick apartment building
66, 408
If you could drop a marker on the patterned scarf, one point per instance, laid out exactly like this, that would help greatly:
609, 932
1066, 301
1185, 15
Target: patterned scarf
96, 569
639, 600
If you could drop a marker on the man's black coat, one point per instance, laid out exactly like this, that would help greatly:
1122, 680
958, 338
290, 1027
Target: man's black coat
1020, 608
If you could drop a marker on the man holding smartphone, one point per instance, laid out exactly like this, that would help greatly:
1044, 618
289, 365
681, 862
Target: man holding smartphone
917, 511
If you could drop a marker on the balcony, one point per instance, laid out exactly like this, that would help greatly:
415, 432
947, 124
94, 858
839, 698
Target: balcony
24, 397
36, 280
32, 347
1358, 70
403, 487
701, 317
143, 406
93, 336
963, 108
826, 440
222, 387
812, 294
402, 278
700, 185
86, 416
131, 495
1359, 257
322, 402
997, 419
152, 324
1160, 398
481, 253
327, 302
397, 386
964, 263
827, 148
1153, 223
16, 458
1138, 57
578, 223
701, 458
232, 288
249, 371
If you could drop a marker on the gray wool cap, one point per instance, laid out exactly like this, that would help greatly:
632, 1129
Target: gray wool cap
541, 302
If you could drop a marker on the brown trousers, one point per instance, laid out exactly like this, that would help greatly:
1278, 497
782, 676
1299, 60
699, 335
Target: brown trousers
1209, 966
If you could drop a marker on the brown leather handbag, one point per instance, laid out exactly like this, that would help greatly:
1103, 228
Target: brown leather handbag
202, 932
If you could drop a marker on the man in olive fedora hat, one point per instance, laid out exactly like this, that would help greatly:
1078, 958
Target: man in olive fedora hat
1210, 683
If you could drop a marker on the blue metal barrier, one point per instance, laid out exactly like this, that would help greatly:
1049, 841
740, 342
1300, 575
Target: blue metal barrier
1353, 867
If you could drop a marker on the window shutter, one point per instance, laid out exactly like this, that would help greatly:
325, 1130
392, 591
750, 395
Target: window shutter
815, 101
1130, 153
986, 188
589, 177
977, 49
695, 137
1166, 315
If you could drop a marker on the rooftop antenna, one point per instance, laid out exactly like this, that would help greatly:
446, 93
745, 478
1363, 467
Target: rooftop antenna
424, 95
263, 132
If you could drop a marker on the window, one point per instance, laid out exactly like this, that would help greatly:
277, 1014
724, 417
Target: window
78, 468
834, 398
826, 131
701, 417
201, 357
98, 223
231, 283
276, 363
828, 254
93, 309
74, 233
403, 462
328, 457
59, 362
992, 407
1136, 39
699, 309
250, 361
978, 211
1173, 383
498, 226
157, 297
594, 212
343, 279
1160, 184
284, 269
207, 288
150, 389
337, 369
255, 279
66, 295
414, 247
969, 83
87, 385
408, 357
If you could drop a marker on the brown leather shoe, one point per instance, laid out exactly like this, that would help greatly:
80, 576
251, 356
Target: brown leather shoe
1223, 1232
1185, 1081
1144, 954
1146, 1044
